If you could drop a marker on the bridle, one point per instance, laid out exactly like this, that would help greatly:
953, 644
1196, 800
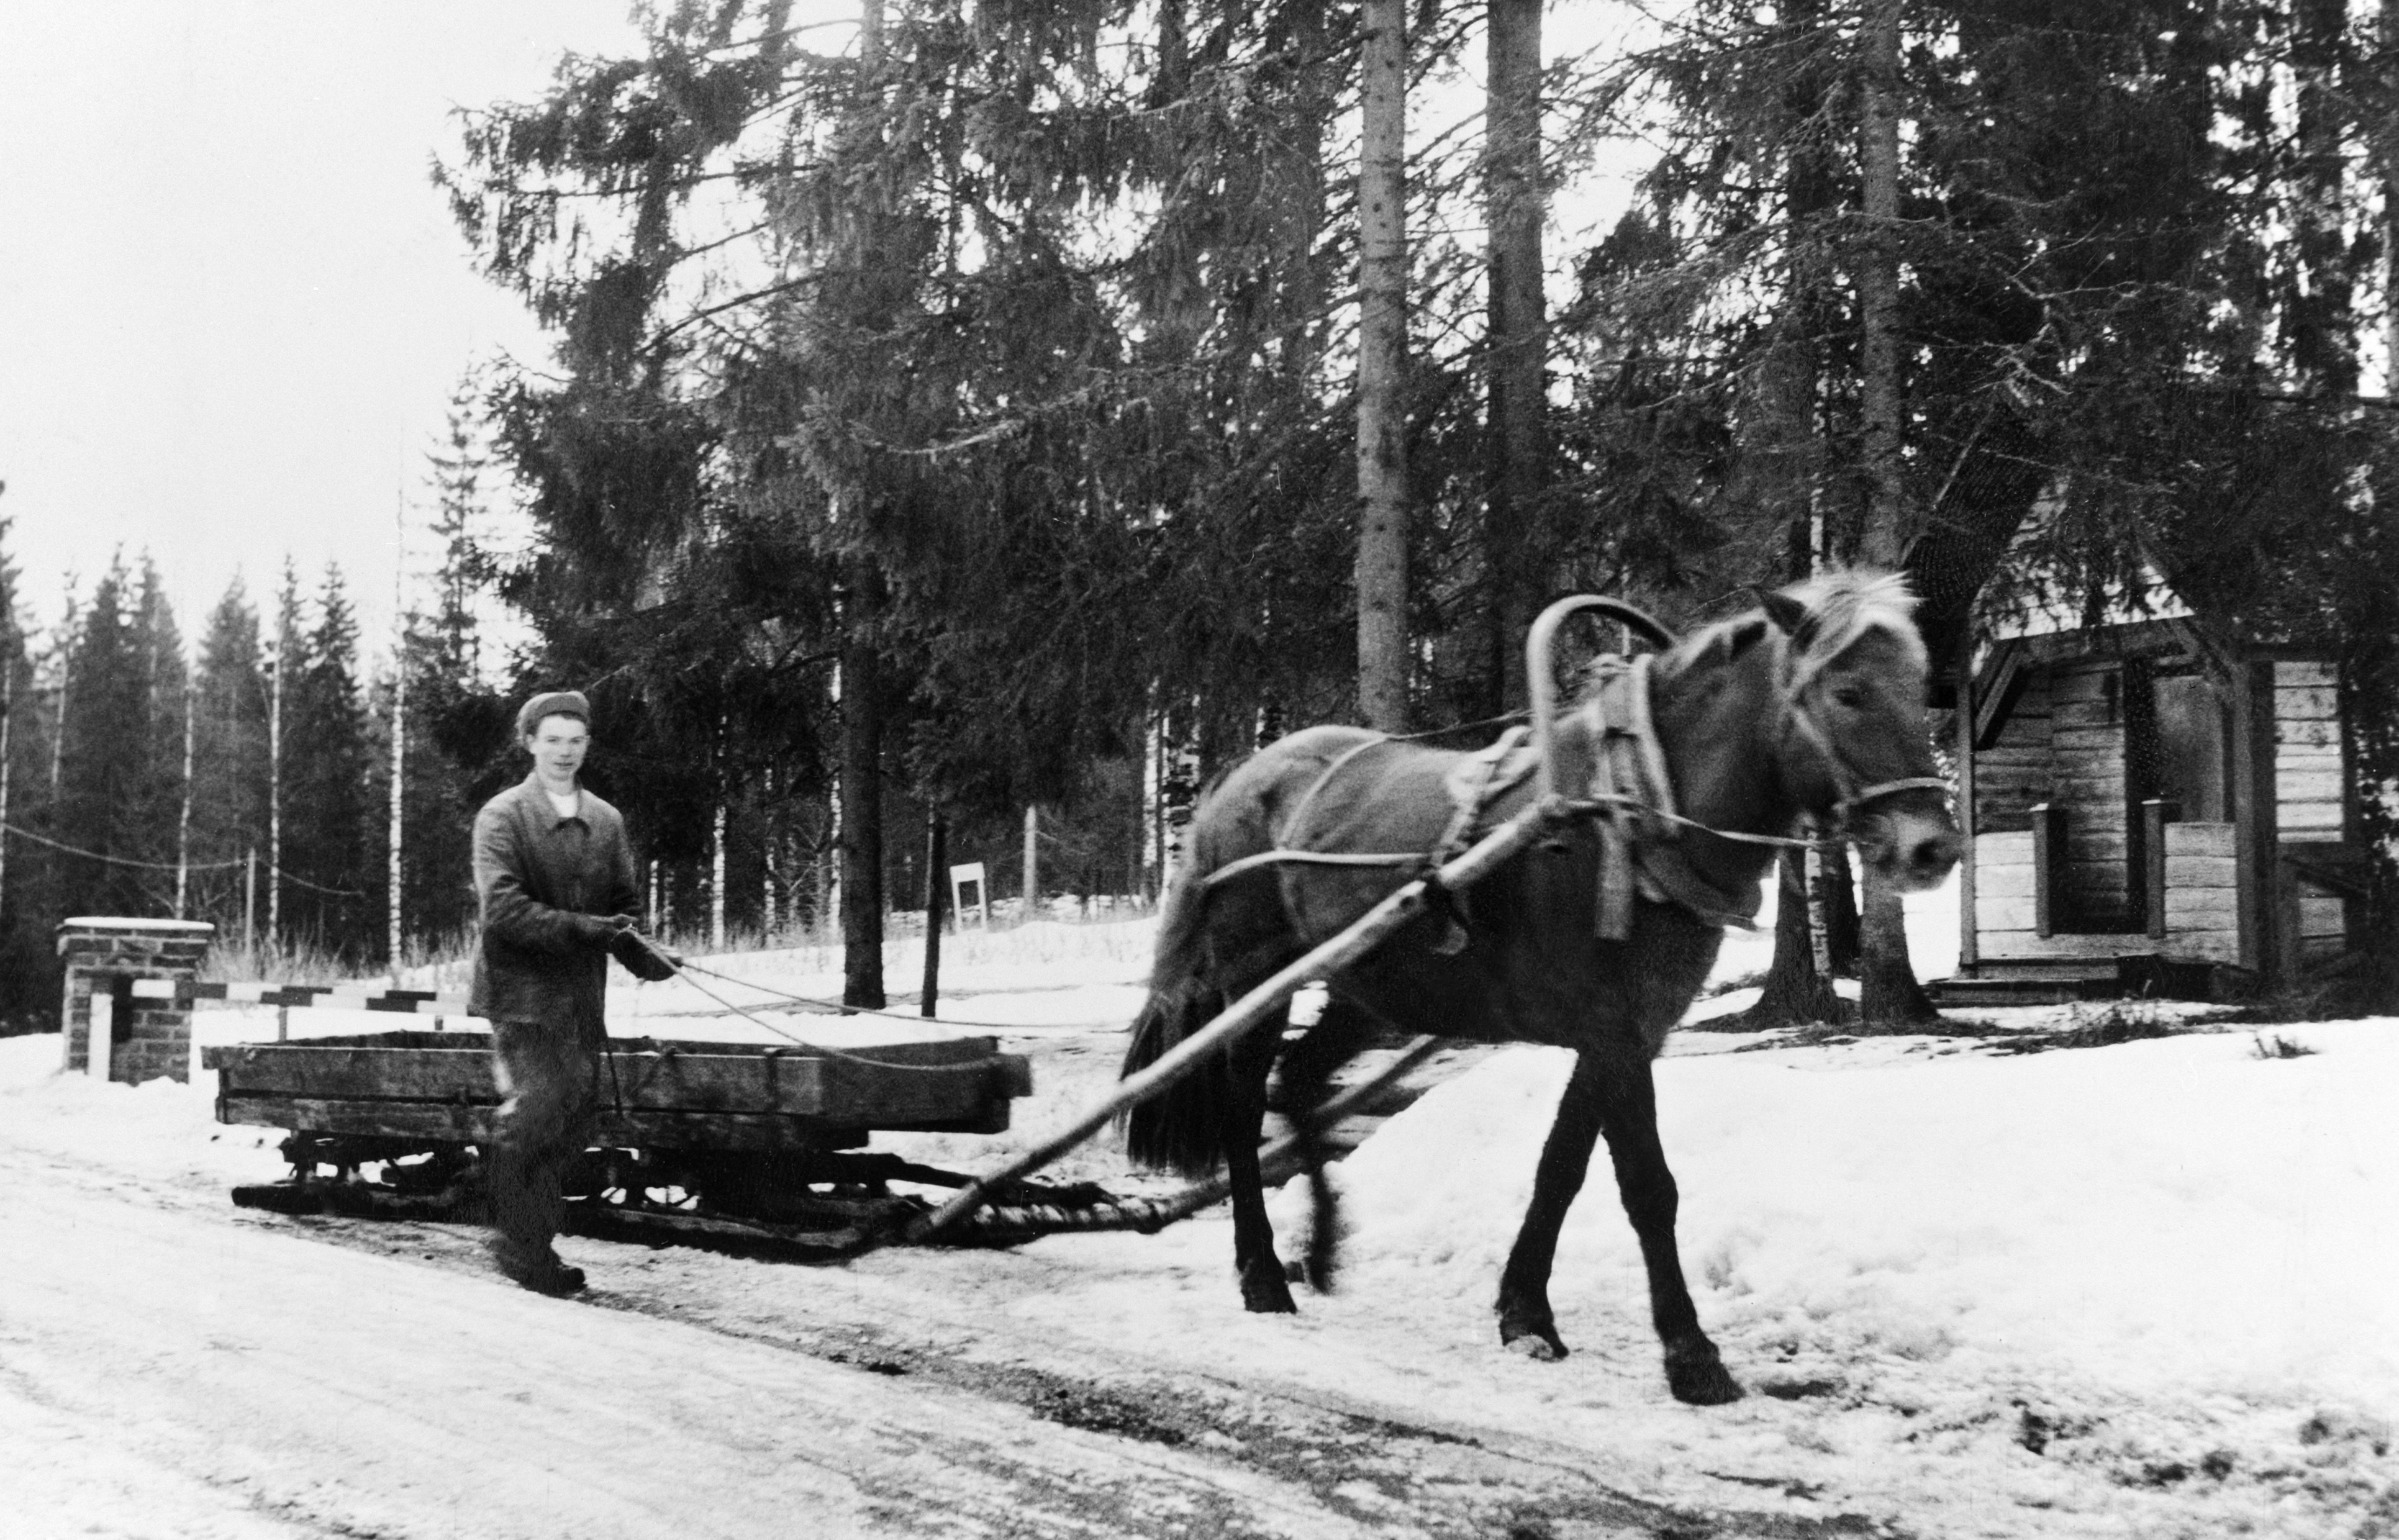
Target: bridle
1850, 798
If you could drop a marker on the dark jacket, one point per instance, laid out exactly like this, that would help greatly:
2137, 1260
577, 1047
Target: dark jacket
547, 885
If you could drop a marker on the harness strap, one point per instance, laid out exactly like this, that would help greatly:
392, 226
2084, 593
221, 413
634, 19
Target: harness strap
1309, 857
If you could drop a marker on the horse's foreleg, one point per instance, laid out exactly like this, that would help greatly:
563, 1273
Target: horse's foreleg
1629, 1115
1263, 1289
1526, 1323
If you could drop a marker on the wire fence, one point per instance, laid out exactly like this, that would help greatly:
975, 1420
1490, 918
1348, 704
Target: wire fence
269, 869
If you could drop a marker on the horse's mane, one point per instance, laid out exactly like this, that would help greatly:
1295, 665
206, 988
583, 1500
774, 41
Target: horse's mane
1843, 603
1846, 603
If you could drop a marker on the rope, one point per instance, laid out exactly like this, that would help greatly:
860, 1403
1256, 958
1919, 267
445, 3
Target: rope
1500, 720
838, 1008
977, 1067
1577, 805
272, 869
116, 861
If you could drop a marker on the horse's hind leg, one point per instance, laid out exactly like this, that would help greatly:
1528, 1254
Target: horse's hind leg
1306, 1074
1263, 1289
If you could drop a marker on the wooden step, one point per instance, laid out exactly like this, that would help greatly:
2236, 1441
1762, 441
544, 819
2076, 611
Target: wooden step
2051, 988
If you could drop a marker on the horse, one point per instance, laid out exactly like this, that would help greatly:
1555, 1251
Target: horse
1811, 706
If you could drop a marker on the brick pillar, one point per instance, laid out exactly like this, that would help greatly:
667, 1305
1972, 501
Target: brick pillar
151, 1037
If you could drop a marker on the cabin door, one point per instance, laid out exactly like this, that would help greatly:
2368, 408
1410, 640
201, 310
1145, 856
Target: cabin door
2177, 749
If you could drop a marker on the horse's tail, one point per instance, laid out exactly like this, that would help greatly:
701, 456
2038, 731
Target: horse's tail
1181, 1127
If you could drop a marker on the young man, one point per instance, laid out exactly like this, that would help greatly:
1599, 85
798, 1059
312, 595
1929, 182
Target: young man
556, 881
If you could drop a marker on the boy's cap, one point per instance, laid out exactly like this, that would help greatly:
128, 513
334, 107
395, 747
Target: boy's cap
556, 703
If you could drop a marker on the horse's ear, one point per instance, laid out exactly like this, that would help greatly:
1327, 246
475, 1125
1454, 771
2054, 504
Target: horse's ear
1741, 637
1783, 610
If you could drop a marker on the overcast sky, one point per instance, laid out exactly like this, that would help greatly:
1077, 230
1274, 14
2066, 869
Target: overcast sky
232, 308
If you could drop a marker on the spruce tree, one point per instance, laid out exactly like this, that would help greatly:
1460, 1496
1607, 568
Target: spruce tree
330, 853
230, 772
106, 794
28, 968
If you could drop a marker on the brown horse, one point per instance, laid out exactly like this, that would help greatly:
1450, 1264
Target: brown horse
1814, 705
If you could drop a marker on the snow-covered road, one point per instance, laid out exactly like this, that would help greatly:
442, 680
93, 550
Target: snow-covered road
2140, 1290
240, 1379
168, 1368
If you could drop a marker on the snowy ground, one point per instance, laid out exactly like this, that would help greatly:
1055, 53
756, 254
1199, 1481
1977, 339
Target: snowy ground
2146, 1289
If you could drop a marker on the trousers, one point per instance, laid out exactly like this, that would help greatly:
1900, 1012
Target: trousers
550, 1075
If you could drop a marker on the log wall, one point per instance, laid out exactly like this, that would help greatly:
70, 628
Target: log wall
2011, 773
2310, 791
2203, 898
2064, 743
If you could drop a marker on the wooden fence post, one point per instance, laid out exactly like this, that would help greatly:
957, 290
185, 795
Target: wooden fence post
2286, 936
2048, 856
2156, 813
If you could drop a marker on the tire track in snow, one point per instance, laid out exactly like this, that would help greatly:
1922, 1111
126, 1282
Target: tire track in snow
1390, 1471
325, 1385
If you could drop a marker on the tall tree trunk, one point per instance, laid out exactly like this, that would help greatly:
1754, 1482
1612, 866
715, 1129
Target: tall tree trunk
1382, 561
1031, 863
1889, 991
274, 783
183, 812
1795, 992
2387, 145
937, 900
861, 664
1779, 471
2324, 339
862, 801
1878, 282
1836, 901
1513, 438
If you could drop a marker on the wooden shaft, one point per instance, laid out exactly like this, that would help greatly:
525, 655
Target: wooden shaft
1251, 1009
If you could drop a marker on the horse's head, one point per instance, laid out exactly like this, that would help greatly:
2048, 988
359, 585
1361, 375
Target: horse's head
1852, 749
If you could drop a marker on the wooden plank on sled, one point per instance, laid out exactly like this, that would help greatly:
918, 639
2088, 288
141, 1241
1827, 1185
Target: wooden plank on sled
897, 1085
449, 1123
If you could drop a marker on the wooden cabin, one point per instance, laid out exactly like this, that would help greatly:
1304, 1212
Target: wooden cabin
2152, 810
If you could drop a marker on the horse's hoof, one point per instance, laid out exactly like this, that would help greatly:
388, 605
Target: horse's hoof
1267, 1297
1540, 1343
1703, 1381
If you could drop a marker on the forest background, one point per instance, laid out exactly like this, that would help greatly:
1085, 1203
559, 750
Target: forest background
1015, 404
